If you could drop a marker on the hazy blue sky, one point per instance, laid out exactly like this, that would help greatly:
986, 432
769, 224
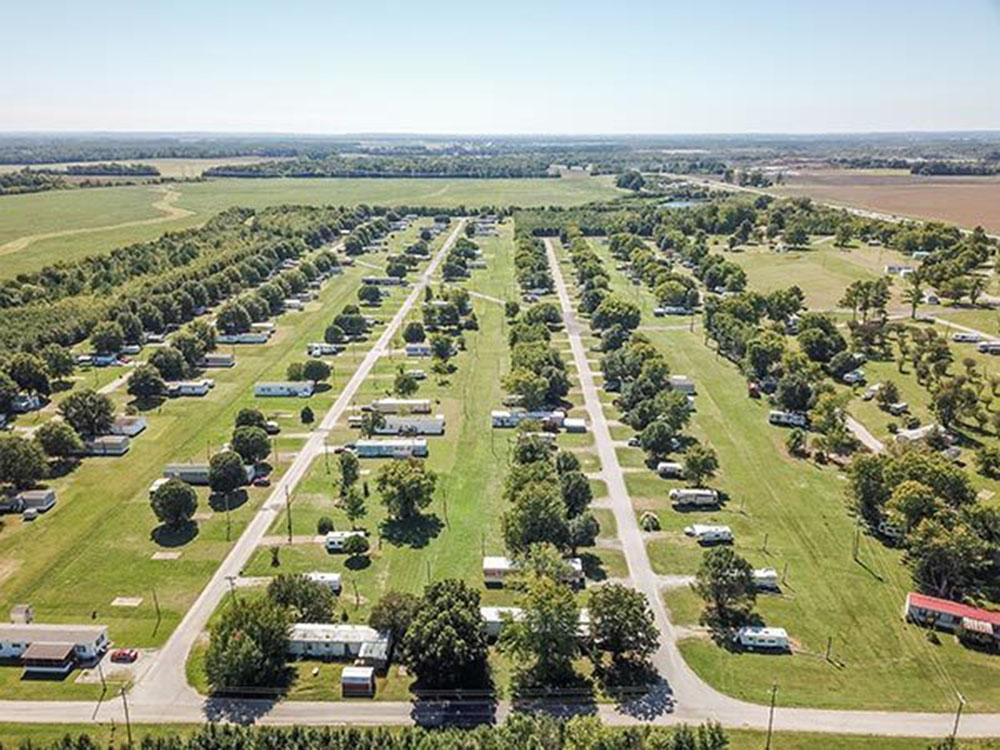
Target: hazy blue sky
501, 67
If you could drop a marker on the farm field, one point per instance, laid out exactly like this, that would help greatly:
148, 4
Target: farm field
966, 201
38, 229
797, 510
179, 168
98, 543
461, 525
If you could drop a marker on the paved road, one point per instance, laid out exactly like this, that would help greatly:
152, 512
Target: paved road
165, 682
163, 695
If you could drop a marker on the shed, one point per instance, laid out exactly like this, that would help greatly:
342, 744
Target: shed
39, 500
357, 682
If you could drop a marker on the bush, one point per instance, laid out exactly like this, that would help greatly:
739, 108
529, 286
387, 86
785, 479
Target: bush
324, 525
306, 415
649, 521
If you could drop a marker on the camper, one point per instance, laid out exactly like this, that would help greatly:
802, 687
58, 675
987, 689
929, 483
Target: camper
189, 387
398, 448
766, 579
700, 497
787, 418
709, 534
330, 580
988, 347
297, 388
37, 500
418, 350
670, 470
763, 639
966, 337
402, 405
334, 540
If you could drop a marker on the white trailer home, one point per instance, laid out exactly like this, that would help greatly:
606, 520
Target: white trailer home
575, 424
45, 649
38, 500
670, 469
383, 281
197, 473
683, 384
298, 389
321, 349
766, 578
418, 350
763, 639
330, 580
128, 425
398, 448
334, 540
249, 337
496, 568
331, 640
659, 312
402, 405
398, 424
190, 387
501, 418
988, 347
709, 533
694, 496
217, 359
787, 418
106, 445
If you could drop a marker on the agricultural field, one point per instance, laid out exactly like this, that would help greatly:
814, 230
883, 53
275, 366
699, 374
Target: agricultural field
463, 523
103, 530
176, 168
786, 512
38, 229
965, 201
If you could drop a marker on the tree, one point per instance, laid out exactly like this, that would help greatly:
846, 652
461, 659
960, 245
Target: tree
226, 472
251, 418
445, 643
393, 613
316, 370
946, 561
404, 384
887, 395
8, 391
531, 387
630, 180
795, 444
407, 487
306, 415
251, 443
371, 423
725, 582
58, 439
614, 310
29, 372
700, 463
910, 503
442, 346
233, 318
248, 646
170, 362
22, 462
538, 514
657, 439
357, 545
131, 326
582, 531
304, 599
567, 462
414, 332
174, 503
334, 334
107, 338
576, 492
145, 383
350, 470
544, 640
59, 361
353, 504
90, 413
295, 372
190, 346
370, 294
988, 461
621, 623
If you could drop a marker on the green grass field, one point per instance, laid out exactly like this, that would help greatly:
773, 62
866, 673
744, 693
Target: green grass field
878, 661
98, 543
102, 212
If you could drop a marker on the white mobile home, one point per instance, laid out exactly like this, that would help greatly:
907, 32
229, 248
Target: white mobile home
670, 469
321, 349
765, 639
331, 640
38, 500
683, 384
501, 418
197, 473
988, 347
250, 337
190, 387
397, 424
334, 540
575, 424
697, 496
670, 310
402, 405
52, 649
966, 337
106, 445
330, 580
709, 533
418, 350
383, 281
496, 568
217, 359
765, 578
299, 389
398, 448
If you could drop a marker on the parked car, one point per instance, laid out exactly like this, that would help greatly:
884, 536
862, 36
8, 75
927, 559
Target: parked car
262, 482
124, 655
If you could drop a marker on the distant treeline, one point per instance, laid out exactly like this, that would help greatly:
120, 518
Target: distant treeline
392, 166
988, 165
38, 180
975, 169
110, 169
28, 181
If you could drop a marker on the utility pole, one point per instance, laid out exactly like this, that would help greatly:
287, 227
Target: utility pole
156, 603
857, 539
128, 721
770, 716
288, 513
232, 585
958, 716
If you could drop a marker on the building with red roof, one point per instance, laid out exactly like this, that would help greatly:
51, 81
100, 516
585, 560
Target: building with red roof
945, 614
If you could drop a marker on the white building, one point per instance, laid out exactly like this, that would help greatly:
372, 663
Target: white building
52, 649
766, 639
300, 389
322, 349
787, 418
190, 387
217, 359
402, 405
330, 580
106, 445
502, 418
334, 540
331, 640
250, 337
575, 424
37, 500
683, 384
128, 425
397, 424
357, 682
418, 350
670, 469
765, 578
196, 473
709, 533
397, 448
496, 568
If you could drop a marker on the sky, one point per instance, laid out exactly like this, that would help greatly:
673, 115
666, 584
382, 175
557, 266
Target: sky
543, 67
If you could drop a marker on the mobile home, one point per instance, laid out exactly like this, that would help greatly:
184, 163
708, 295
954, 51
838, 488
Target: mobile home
197, 473
765, 639
190, 387
501, 418
787, 418
249, 337
402, 405
128, 425
320, 349
38, 500
330, 640
398, 448
397, 424
418, 350
218, 359
297, 388
106, 445
670, 469
765, 578
696, 496
709, 534
943, 614
330, 580
334, 540
45, 649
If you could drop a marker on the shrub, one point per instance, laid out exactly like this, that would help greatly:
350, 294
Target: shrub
324, 525
649, 521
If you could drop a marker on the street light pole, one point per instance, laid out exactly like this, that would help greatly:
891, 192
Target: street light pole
128, 721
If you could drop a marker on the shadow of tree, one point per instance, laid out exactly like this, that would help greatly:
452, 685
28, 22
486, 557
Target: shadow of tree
217, 500
415, 531
148, 404
62, 467
174, 536
357, 562
593, 567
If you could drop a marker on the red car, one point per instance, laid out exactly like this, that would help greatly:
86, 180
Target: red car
124, 655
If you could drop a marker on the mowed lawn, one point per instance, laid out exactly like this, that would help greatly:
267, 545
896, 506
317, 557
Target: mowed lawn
799, 511
105, 209
463, 522
98, 542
